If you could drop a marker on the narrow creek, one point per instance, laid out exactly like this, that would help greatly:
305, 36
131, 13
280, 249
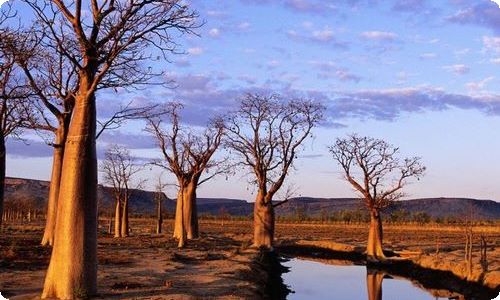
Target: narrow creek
341, 280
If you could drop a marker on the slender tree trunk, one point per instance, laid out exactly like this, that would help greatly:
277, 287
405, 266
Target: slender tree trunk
125, 227
2, 174
374, 247
110, 224
55, 181
189, 218
118, 218
72, 271
374, 284
159, 217
263, 222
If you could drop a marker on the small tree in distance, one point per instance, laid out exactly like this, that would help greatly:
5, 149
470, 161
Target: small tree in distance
373, 168
119, 167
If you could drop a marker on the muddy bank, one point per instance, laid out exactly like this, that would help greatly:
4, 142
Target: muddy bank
428, 278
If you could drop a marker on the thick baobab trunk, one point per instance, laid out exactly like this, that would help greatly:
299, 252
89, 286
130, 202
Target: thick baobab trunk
118, 218
2, 174
374, 283
72, 271
159, 217
125, 228
55, 181
263, 222
186, 205
374, 248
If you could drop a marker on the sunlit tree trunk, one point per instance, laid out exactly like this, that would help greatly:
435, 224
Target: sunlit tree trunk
2, 174
55, 181
186, 205
124, 225
374, 285
118, 218
263, 220
374, 247
72, 271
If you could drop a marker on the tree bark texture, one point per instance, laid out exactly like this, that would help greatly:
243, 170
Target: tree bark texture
125, 227
263, 220
186, 213
375, 237
72, 271
118, 218
55, 181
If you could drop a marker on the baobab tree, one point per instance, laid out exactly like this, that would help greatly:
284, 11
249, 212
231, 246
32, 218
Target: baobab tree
119, 168
188, 155
13, 97
375, 171
54, 81
266, 133
159, 198
110, 44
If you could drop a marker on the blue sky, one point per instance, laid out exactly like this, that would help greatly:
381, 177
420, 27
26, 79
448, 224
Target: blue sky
421, 74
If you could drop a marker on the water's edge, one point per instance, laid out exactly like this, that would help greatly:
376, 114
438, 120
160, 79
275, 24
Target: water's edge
427, 278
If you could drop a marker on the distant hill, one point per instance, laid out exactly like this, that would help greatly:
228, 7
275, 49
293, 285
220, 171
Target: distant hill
18, 189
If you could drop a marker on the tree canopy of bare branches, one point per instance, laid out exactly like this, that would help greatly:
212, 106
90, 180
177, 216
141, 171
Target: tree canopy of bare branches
266, 133
188, 155
374, 169
109, 45
119, 168
14, 114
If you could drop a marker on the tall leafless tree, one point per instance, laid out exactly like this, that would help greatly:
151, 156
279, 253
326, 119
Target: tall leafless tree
267, 132
119, 168
110, 44
13, 95
188, 155
54, 80
373, 168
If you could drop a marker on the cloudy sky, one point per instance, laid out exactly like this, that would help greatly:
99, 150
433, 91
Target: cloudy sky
423, 75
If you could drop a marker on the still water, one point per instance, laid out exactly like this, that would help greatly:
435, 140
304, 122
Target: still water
314, 280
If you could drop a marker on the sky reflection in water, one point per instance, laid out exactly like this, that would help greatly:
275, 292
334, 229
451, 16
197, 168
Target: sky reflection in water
314, 280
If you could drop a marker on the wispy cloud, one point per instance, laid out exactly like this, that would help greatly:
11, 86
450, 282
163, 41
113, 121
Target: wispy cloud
459, 69
379, 36
329, 69
196, 51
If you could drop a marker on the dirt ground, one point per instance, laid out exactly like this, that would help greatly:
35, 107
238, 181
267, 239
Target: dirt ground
216, 266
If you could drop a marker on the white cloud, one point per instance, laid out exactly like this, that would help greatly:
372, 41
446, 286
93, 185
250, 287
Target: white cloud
428, 55
495, 61
497, 2
244, 26
324, 35
2, 2
214, 32
273, 64
195, 51
458, 69
491, 43
379, 35
479, 85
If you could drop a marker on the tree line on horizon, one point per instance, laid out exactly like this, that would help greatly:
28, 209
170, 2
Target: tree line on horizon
52, 70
